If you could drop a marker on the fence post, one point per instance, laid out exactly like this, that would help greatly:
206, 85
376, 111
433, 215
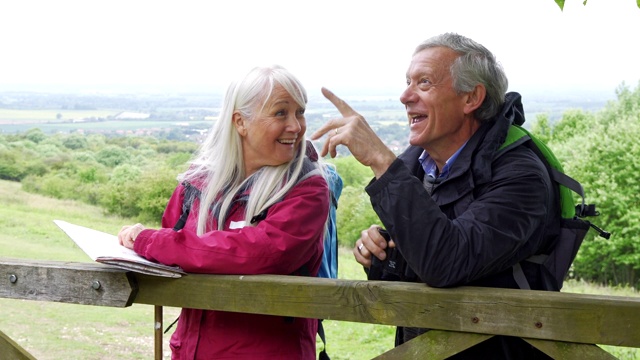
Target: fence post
158, 331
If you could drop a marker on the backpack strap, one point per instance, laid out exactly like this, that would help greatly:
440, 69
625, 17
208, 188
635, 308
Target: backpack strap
183, 220
190, 193
305, 272
520, 278
323, 354
569, 211
518, 135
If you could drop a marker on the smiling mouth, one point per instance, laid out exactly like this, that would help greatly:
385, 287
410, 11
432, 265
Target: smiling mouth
418, 118
287, 141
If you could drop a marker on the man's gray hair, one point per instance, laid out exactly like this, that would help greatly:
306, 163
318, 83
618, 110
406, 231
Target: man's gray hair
475, 65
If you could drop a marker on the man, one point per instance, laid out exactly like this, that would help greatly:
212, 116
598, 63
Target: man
459, 210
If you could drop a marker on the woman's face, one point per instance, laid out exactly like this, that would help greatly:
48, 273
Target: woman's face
273, 136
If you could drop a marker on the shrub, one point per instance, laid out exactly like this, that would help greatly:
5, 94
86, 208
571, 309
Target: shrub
112, 156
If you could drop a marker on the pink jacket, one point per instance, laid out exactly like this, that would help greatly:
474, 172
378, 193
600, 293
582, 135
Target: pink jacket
288, 238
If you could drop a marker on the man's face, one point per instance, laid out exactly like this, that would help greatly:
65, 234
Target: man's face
436, 112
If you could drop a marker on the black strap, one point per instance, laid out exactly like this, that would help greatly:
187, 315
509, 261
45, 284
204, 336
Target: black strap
334, 201
171, 325
183, 220
323, 354
190, 193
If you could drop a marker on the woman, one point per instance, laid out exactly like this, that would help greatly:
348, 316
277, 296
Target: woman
261, 208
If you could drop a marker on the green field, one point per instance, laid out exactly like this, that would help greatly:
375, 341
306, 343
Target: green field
14, 116
65, 331
111, 126
51, 120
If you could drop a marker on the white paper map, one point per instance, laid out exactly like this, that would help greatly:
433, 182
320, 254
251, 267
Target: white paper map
104, 248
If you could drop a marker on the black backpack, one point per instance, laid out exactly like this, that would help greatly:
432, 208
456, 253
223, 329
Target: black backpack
573, 226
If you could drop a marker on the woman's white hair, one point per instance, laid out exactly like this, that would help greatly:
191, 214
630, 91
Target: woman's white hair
219, 163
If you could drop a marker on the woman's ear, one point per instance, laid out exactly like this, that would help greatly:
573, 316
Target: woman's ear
239, 123
475, 98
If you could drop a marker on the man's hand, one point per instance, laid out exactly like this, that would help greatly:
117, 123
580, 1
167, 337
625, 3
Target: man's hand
370, 243
353, 131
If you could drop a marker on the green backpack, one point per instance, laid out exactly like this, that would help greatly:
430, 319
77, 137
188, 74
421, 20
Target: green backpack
573, 226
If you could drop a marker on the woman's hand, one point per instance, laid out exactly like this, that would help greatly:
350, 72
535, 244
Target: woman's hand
128, 234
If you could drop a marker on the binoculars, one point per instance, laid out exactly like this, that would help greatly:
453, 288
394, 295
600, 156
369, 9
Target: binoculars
392, 268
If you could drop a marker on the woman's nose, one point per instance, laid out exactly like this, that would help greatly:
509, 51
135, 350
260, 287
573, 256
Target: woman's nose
294, 125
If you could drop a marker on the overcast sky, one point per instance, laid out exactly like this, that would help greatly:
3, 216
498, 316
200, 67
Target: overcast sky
345, 45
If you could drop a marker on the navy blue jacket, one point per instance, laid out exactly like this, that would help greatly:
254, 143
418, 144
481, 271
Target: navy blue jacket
494, 210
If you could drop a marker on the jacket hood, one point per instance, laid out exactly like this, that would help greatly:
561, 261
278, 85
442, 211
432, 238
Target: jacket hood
492, 135
512, 113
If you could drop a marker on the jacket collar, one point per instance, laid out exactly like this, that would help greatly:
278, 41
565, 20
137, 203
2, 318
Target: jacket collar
493, 136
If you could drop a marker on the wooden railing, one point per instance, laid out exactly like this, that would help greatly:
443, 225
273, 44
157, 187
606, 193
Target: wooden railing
563, 325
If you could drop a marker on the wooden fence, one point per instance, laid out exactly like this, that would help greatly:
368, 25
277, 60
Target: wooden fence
563, 325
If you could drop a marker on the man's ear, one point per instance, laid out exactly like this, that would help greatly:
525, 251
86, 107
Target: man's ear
239, 123
475, 98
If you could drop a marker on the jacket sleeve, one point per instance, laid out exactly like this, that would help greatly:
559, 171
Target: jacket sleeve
500, 226
289, 237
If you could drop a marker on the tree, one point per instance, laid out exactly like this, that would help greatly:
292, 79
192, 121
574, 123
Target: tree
75, 142
354, 210
10, 166
112, 155
354, 215
561, 3
36, 135
602, 152
352, 172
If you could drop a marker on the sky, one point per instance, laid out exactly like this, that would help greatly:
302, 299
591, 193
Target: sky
348, 46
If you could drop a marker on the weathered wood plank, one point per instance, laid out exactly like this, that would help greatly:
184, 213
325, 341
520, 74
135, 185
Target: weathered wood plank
571, 351
532, 314
10, 350
434, 345
76, 283
590, 319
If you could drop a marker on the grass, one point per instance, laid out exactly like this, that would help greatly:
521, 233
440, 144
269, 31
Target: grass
65, 331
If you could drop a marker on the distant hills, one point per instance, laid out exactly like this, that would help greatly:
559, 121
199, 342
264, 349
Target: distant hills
186, 115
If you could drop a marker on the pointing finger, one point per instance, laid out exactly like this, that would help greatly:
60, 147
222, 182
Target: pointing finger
329, 125
340, 104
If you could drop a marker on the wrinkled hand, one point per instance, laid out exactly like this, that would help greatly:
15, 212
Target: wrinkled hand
353, 131
128, 234
370, 243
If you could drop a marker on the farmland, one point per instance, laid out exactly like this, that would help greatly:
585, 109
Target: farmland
187, 116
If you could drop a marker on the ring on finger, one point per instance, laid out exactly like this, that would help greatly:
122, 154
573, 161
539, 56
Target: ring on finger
360, 248
336, 130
